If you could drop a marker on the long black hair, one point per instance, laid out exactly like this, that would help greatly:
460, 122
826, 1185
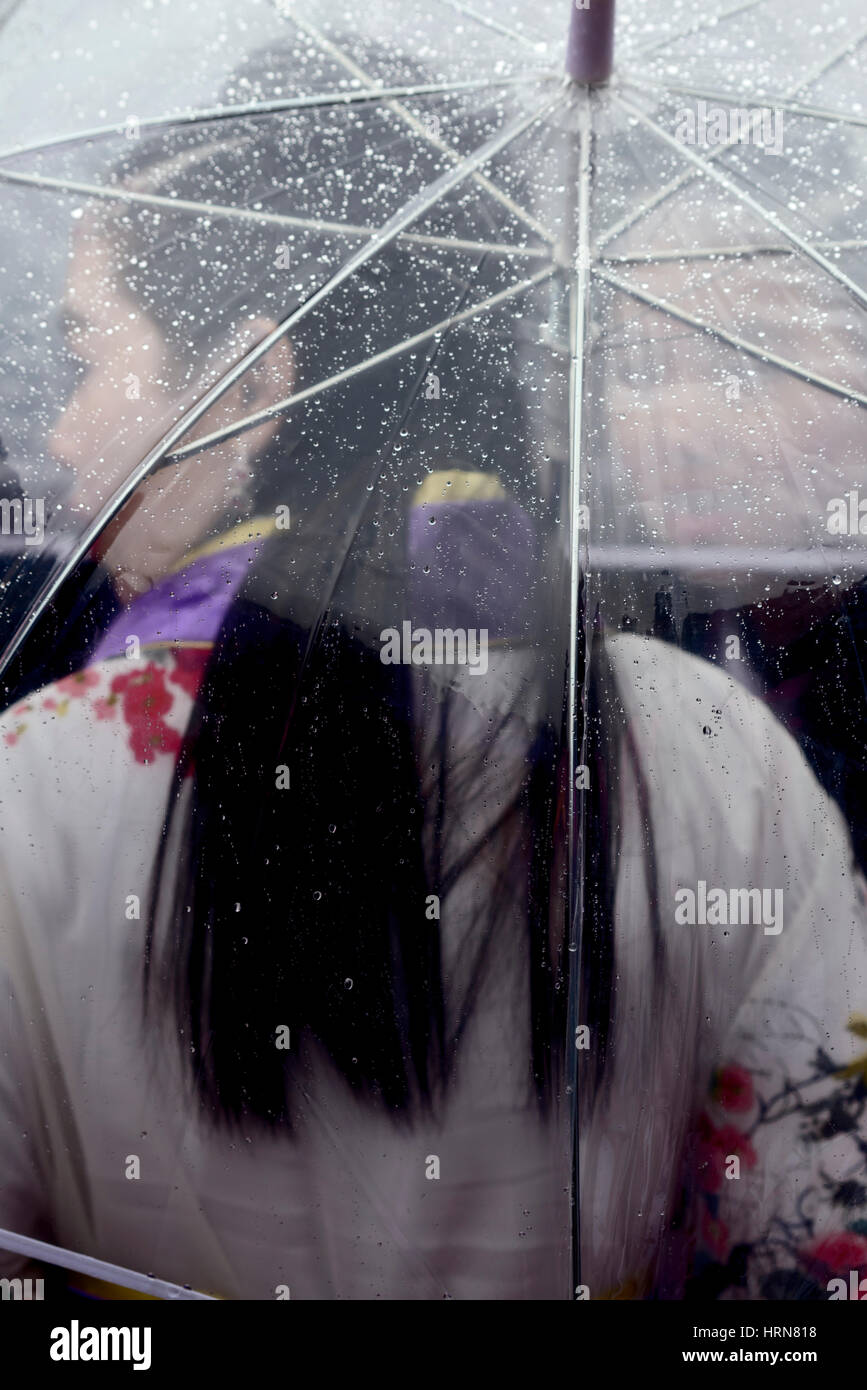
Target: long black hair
293, 881
306, 857
304, 846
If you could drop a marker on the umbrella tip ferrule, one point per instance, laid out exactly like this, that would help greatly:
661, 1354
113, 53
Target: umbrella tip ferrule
590, 46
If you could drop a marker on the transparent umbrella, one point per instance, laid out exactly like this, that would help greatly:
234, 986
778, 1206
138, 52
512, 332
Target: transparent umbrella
467, 326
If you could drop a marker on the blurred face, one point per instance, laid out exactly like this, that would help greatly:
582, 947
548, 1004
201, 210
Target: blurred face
126, 396
730, 451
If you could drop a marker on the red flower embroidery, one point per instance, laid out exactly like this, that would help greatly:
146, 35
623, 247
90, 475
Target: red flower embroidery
144, 701
733, 1089
837, 1254
148, 739
78, 683
715, 1147
190, 663
143, 692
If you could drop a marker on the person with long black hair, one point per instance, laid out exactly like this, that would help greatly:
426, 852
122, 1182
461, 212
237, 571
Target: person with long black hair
289, 1002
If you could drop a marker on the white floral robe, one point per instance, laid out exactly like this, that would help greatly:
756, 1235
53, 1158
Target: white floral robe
727, 1157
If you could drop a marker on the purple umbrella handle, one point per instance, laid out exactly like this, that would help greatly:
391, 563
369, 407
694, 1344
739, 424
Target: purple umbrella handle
590, 50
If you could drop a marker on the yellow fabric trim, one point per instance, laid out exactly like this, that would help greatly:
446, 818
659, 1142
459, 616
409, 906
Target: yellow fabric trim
254, 529
173, 642
99, 1288
455, 485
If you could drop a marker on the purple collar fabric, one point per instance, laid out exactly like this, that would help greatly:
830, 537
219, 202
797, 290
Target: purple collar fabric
471, 564
188, 606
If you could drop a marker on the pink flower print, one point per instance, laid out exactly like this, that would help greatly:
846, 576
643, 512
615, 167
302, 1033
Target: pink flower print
78, 683
733, 1089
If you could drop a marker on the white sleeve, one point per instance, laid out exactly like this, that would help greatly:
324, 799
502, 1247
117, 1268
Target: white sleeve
741, 1061
23, 1186
788, 1098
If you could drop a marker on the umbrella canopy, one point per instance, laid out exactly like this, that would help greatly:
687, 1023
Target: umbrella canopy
437, 329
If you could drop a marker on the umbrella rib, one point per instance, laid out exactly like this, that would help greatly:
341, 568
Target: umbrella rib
695, 28
717, 558
686, 177
276, 219
829, 62
702, 253
417, 205
731, 186
763, 355
820, 113
578, 342
420, 129
249, 422
494, 24
10, 13
679, 181
262, 108
578, 345
97, 1269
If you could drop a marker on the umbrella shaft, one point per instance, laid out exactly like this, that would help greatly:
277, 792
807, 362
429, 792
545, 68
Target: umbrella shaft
590, 49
